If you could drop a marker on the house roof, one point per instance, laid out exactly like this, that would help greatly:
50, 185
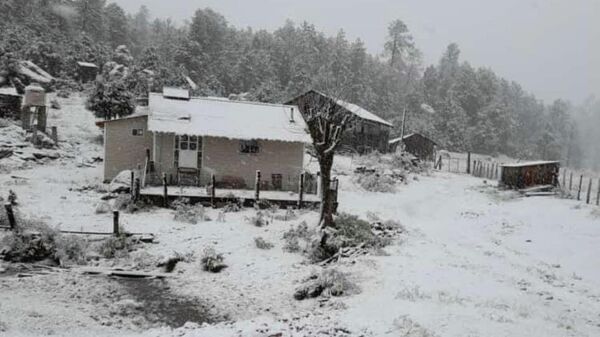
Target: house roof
87, 65
140, 111
179, 93
224, 118
395, 140
353, 108
531, 163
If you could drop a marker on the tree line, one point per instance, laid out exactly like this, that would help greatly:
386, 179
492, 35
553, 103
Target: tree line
463, 108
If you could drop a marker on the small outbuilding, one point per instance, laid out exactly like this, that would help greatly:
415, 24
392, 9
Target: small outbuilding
368, 131
87, 71
415, 144
10, 103
528, 174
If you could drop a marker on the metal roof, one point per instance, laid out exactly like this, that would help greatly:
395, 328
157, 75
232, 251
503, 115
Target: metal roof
531, 163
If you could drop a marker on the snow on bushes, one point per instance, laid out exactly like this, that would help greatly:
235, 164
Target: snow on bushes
262, 243
295, 235
116, 246
375, 182
35, 241
212, 261
192, 214
381, 173
260, 219
330, 282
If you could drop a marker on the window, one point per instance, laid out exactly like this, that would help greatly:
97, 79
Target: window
137, 132
249, 146
187, 143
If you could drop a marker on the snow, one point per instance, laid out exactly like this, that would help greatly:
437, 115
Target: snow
170, 92
245, 194
475, 261
87, 64
531, 163
229, 119
362, 113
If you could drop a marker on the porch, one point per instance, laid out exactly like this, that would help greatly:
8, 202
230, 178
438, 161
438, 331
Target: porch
155, 194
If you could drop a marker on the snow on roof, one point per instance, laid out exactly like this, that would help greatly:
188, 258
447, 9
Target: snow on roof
87, 64
531, 163
362, 113
171, 92
395, 140
140, 111
9, 91
229, 119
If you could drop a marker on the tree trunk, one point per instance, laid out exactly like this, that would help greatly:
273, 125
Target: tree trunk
327, 202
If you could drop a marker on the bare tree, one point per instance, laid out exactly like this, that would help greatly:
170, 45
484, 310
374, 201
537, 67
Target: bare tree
327, 121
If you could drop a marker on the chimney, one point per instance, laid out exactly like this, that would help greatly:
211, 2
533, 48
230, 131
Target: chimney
292, 116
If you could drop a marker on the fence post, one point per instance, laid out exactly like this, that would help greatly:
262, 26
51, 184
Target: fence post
257, 186
11, 216
55, 135
165, 191
116, 223
579, 189
589, 192
213, 182
598, 194
571, 181
137, 187
132, 188
564, 182
301, 191
469, 162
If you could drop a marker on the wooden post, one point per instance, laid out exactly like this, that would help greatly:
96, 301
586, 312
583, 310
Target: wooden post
116, 223
213, 190
301, 191
598, 194
11, 216
571, 181
55, 135
257, 186
589, 192
136, 195
132, 187
469, 162
165, 191
564, 182
579, 189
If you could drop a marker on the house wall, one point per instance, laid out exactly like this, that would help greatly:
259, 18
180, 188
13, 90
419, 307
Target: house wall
123, 150
222, 157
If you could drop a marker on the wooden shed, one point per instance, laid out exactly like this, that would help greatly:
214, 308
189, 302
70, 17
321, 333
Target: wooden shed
87, 71
415, 144
528, 174
10, 103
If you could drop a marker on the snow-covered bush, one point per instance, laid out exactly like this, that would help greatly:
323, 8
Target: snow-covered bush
295, 235
116, 246
260, 219
262, 243
212, 261
289, 215
329, 282
192, 214
375, 182
71, 249
33, 241
102, 207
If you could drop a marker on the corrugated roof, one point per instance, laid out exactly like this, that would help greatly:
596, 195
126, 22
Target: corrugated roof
172, 92
224, 118
362, 113
531, 163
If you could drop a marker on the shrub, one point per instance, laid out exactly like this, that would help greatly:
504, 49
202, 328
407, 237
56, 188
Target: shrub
294, 235
375, 182
262, 243
289, 215
71, 249
329, 282
191, 214
34, 241
212, 261
116, 246
102, 207
263, 204
259, 219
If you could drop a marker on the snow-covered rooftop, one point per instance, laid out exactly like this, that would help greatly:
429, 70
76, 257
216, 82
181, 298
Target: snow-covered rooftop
87, 64
531, 163
362, 113
172, 92
229, 119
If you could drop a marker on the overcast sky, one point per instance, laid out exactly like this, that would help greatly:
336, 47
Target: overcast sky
551, 47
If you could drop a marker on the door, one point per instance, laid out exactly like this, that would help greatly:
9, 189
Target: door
188, 152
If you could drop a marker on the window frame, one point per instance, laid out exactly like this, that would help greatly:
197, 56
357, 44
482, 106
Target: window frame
249, 146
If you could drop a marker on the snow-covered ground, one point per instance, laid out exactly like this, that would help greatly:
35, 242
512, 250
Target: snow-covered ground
475, 261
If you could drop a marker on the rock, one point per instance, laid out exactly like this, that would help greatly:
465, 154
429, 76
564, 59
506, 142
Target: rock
121, 183
54, 104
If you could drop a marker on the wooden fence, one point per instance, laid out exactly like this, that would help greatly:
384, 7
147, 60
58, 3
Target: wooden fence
580, 186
